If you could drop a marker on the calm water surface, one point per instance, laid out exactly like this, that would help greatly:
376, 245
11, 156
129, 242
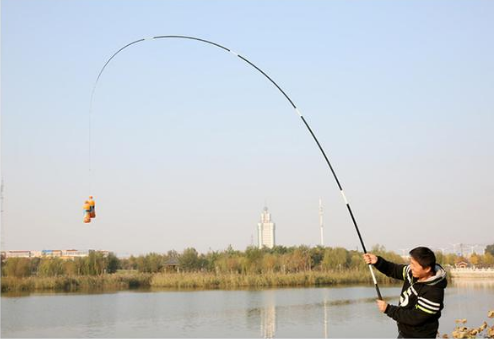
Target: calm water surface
298, 312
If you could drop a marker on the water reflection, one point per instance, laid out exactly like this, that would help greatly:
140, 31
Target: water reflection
268, 316
473, 283
341, 312
325, 307
324, 310
470, 299
262, 313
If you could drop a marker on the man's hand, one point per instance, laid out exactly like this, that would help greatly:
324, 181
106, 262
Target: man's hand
370, 258
381, 304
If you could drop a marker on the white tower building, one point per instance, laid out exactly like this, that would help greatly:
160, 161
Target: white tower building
265, 230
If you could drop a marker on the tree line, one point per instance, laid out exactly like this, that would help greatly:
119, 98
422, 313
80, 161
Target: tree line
280, 259
96, 263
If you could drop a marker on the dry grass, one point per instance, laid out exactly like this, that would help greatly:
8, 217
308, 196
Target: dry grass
483, 331
229, 281
188, 280
75, 283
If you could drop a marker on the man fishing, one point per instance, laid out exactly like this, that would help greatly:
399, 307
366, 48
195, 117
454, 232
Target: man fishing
422, 295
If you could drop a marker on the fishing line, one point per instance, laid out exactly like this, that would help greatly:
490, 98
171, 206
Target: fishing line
275, 84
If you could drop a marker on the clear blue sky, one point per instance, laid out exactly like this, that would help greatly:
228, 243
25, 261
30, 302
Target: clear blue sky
189, 142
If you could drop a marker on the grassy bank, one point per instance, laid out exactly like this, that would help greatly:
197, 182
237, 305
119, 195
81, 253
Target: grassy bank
187, 280
75, 283
228, 281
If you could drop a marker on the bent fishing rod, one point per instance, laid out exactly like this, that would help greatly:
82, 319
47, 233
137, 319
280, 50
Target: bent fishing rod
278, 87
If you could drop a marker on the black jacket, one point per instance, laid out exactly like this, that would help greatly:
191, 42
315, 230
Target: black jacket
420, 305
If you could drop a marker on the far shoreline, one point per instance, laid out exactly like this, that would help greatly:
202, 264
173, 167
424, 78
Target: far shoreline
471, 273
189, 281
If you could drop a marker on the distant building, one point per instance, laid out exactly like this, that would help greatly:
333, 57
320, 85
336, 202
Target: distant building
70, 254
51, 253
172, 265
63, 254
17, 254
266, 230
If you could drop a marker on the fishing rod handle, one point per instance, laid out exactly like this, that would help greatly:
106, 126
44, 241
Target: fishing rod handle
375, 282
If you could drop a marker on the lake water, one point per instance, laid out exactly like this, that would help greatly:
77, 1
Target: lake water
348, 311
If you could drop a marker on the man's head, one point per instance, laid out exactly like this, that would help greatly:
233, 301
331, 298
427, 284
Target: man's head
422, 262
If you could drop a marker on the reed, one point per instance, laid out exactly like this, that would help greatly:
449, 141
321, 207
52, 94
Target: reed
75, 283
202, 280
234, 280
